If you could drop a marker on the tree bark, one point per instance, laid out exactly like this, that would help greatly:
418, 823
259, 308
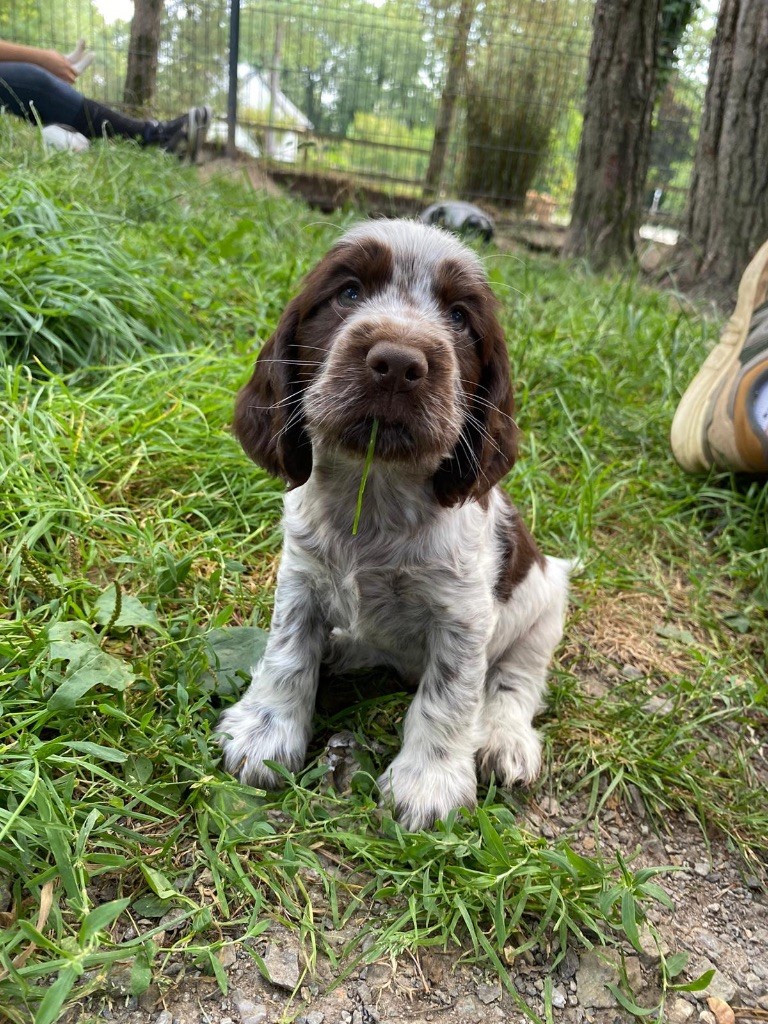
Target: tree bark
141, 74
457, 61
615, 139
727, 218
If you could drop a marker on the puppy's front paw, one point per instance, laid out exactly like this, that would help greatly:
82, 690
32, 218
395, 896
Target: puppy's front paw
511, 757
251, 734
421, 792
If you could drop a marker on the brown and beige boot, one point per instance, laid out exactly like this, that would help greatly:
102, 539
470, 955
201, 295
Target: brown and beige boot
722, 419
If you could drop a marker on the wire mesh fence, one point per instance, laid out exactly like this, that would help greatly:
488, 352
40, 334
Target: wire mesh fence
473, 98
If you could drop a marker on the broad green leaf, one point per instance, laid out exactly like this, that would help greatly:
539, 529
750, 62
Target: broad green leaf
697, 985
233, 651
89, 666
133, 614
101, 753
675, 963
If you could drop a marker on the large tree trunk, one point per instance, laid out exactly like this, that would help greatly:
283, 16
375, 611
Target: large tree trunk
457, 60
141, 75
615, 139
727, 218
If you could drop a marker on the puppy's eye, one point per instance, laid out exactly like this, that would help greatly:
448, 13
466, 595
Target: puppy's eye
349, 295
458, 318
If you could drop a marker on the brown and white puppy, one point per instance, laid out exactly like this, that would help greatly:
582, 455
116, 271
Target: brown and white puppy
443, 582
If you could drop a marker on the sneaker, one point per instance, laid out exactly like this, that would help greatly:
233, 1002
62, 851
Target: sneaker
185, 135
722, 419
199, 118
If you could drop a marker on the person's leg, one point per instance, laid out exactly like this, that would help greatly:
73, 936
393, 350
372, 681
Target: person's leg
722, 419
33, 93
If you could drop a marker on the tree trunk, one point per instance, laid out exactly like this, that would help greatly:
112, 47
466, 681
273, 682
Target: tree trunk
457, 61
615, 139
141, 75
727, 219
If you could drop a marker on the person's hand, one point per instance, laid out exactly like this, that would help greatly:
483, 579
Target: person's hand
58, 65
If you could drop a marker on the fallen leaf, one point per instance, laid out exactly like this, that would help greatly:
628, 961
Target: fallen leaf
721, 1010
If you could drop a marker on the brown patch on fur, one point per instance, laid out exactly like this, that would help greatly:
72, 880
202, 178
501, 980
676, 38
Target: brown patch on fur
519, 553
488, 447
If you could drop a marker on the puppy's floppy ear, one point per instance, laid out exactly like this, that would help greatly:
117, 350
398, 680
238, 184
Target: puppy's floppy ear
487, 448
269, 422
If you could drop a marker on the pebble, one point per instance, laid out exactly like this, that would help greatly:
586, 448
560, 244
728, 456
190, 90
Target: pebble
250, 1012
282, 966
164, 1017
559, 998
678, 1011
488, 993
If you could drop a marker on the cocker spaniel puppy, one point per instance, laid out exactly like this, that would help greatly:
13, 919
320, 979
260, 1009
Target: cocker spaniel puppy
442, 581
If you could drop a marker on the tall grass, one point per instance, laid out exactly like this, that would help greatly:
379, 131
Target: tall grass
140, 548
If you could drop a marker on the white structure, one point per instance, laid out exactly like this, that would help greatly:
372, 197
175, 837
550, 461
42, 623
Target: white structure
255, 102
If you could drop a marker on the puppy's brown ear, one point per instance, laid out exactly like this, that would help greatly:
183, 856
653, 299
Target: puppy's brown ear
487, 448
269, 421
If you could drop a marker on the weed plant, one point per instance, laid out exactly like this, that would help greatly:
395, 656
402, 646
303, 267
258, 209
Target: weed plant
140, 549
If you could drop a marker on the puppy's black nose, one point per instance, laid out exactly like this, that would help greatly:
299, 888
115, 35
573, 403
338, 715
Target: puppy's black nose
396, 367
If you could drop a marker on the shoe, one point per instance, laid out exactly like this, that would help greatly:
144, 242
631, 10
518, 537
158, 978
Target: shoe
199, 118
722, 419
185, 135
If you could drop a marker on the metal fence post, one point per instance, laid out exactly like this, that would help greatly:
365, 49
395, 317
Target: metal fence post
234, 53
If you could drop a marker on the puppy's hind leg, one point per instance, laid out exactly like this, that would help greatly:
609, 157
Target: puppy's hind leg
510, 747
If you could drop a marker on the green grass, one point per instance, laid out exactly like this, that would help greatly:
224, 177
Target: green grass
133, 528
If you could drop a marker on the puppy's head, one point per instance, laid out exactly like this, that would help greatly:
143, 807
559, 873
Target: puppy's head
396, 323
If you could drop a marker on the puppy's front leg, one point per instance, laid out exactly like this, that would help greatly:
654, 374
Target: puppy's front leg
273, 720
435, 770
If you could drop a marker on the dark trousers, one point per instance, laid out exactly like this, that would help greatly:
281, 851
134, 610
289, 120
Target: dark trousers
34, 93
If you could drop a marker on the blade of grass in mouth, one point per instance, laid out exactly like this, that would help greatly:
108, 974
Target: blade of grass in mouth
364, 478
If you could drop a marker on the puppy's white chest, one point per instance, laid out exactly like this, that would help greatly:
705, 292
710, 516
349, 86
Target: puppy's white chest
377, 607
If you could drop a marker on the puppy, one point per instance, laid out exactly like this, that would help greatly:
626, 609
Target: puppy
442, 582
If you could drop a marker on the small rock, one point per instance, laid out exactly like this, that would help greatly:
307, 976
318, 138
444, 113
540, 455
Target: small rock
701, 867
631, 672
707, 1017
559, 998
164, 1018
378, 976
593, 974
467, 1009
569, 964
658, 706
678, 1011
227, 956
315, 1017
250, 1012
282, 966
488, 993
652, 946
708, 943
549, 805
